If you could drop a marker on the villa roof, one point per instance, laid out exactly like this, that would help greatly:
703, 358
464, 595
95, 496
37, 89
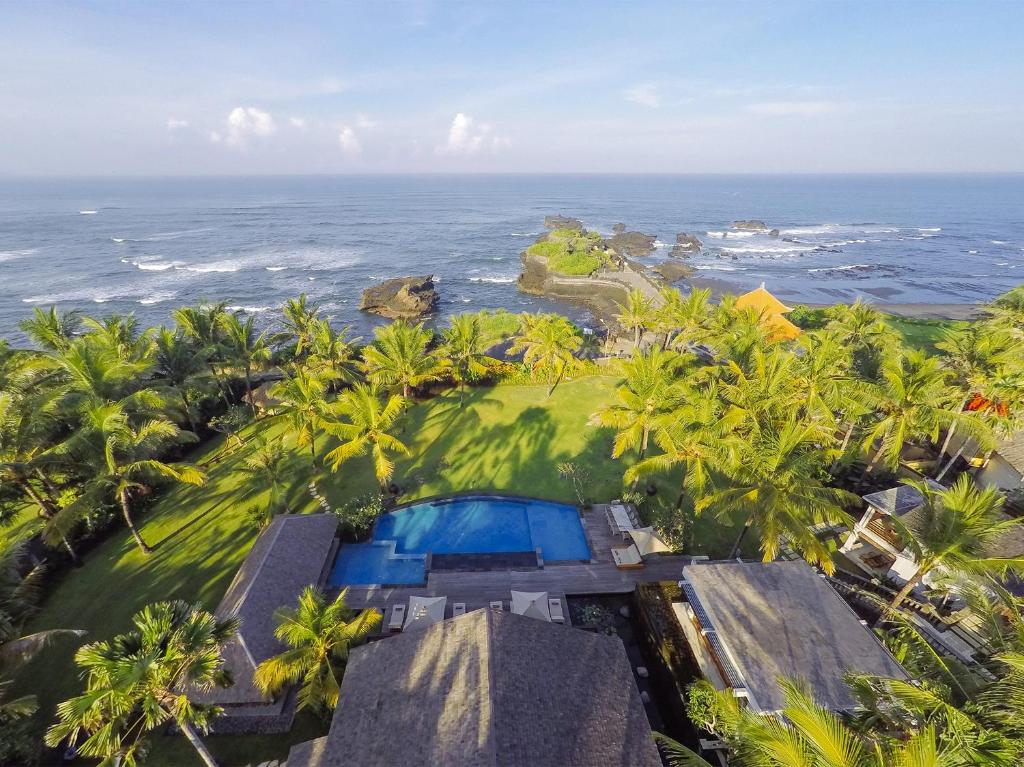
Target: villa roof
782, 620
896, 501
1011, 450
763, 301
488, 688
288, 555
780, 327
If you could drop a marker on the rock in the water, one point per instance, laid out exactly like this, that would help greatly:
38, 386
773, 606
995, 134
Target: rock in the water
632, 244
672, 271
750, 225
618, 228
562, 222
404, 298
774, 233
686, 244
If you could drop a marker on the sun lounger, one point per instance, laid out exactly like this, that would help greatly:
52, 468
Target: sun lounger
497, 605
459, 608
397, 618
627, 557
620, 520
555, 608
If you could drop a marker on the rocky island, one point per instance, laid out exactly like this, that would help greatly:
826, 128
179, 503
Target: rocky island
401, 298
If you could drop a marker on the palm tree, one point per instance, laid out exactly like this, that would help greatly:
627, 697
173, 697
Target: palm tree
52, 330
182, 364
303, 404
547, 342
645, 396
955, 530
685, 321
245, 347
203, 323
399, 357
120, 454
96, 373
465, 347
331, 353
267, 464
1008, 311
366, 427
318, 635
764, 388
138, 681
773, 482
299, 319
120, 334
637, 314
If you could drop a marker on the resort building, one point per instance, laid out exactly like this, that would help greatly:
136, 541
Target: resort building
1002, 468
771, 311
487, 688
752, 624
293, 552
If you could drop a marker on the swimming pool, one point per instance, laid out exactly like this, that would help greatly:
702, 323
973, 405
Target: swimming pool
464, 525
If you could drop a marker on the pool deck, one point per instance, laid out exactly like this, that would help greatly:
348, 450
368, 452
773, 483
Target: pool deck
479, 589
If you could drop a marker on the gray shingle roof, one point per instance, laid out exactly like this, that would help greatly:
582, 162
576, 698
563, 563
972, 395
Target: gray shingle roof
896, 501
1012, 450
286, 557
489, 689
781, 619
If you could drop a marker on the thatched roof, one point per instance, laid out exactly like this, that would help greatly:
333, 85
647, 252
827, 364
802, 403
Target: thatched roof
286, 557
488, 688
781, 619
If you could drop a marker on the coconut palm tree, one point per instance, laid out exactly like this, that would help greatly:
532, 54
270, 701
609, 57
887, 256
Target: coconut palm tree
203, 324
299, 318
362, 420
764, 388
267, 465
119, 453
138, 681
51, 329
302, 397
93, 373
120, 334
955, 530
464, 348
637, 314
245, 347
772, 482
1008, 311
318, 634
400, 357
331, 353
182, 365
548, 343
646, 394
685, 321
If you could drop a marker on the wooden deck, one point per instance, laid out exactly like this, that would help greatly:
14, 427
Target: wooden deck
479, 589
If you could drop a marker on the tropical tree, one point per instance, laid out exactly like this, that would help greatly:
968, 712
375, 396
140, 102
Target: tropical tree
956, 530
685, 321
465, 349
303, 404
120, 334
863, 331
245, 347
140, 680
772, 481
268, 466
1008, 311
299, 318
736, 333
120, 454
400, 356
203, 323
182, 365
637, 314
92, 373
331, 353
548, 343
51, 329
318, 635
363, 421
647, 393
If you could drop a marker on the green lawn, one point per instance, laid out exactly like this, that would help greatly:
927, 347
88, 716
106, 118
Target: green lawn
505, 438
923, 334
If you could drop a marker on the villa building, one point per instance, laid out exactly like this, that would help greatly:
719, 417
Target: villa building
487, 688
751, 625
293, 552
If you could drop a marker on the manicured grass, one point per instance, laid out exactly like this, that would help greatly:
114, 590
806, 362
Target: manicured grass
505, 438
923, 334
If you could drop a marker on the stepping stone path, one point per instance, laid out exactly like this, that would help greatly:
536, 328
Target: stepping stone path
319, 498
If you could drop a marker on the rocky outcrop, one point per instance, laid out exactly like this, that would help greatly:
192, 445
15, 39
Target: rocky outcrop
632, 244
402, 298
774, 233
750, 225
618, 228
685, 245
562, 222
673, 271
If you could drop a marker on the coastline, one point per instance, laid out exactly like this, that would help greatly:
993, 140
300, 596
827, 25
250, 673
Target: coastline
933, 311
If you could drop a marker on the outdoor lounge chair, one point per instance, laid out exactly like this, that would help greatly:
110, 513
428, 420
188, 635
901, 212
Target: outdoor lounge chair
397, 618
620, 520
627, 557
458, 608
555, 608
497, 605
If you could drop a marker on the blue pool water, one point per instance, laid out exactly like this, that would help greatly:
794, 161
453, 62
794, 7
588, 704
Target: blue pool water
471, 525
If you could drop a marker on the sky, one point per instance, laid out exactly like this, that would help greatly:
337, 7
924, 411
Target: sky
223, 88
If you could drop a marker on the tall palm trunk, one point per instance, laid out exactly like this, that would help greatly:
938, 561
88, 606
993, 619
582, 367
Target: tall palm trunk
188, 411
842, 447
126, 511
47, 510
950, 462
739, 540
220, 384
637, 334
558, 379
874, 461
197, 743
898, 599
248, 390
949, 434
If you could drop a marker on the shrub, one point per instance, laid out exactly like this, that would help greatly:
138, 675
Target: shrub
360, 513
575, 264
546, 249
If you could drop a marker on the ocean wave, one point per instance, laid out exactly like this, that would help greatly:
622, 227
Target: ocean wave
767, 249
11, 255
719, 268
843, 268
496, 278
929, 228
215, 266
973, 252
158, 297
117, 239
275, 268
87, 212
812, 229
999, 242
250, 309
730, 235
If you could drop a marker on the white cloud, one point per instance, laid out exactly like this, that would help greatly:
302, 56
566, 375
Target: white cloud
174, 124
245, 122
297, 122
794, 108
349, 141
466, 136
365, 121
216, 137
644, 95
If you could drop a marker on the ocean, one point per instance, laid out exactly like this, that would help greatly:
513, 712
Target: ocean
148, 245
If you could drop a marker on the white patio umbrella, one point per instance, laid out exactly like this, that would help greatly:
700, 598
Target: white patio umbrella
647, 541
424, 611
533, 604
